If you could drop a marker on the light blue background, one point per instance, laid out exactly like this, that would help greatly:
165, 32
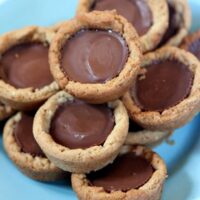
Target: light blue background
182, 158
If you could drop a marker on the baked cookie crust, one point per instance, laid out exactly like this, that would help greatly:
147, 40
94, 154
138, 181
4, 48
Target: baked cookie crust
152, 190
178, 115
146, 137
99, 92
79, 160
38, 168
27, 98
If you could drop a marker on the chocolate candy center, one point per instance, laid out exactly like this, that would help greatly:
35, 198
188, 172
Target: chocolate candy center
173, 26
134, 127
194, 48
26, 65
127, 172
94, 56
77, 124
24, 135
137, 12
164, 85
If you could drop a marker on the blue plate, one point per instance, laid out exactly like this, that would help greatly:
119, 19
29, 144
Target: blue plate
182, 158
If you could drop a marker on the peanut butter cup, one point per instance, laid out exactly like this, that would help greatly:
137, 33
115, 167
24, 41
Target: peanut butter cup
26, 65
95, 56
127, 172
80, 137
179, 22
165, 94
80, 125
137, 12
23, 150
24, 135
163, 84
141, 136
149, 17
25, 78
100, 55
131, 176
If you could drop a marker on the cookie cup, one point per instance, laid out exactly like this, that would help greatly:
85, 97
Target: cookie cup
98, 92
79, 160
25, 98
151, 190
178, 115
146, 137
38, 168
159, 17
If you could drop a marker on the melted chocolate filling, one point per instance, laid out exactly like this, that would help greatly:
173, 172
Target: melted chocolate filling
77, 124
26, 65
127, 172
163, 85
24, 135
137, 12
94, 56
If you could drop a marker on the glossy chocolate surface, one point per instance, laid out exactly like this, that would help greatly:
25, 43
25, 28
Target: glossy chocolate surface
77, 124
163, 85
24, 135
94, 56
127, 172
137, 12
26, 65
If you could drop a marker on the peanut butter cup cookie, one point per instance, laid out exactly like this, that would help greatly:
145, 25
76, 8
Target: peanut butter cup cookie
166, 93
25, 78
149, 17
23, 150
192, 43
95, 56
140, 136
179, 22
137, 173
80, 137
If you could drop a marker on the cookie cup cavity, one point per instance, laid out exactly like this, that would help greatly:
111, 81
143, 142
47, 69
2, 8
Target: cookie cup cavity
184, 18
26, 98
99, 92
146, 137
151, 190
159, 17
175, 116
5, 111
79, 160
38, 168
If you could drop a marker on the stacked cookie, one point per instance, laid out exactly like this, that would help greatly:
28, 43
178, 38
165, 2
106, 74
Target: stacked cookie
91, 91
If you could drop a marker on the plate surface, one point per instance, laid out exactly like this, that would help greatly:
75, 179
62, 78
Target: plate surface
182, 158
